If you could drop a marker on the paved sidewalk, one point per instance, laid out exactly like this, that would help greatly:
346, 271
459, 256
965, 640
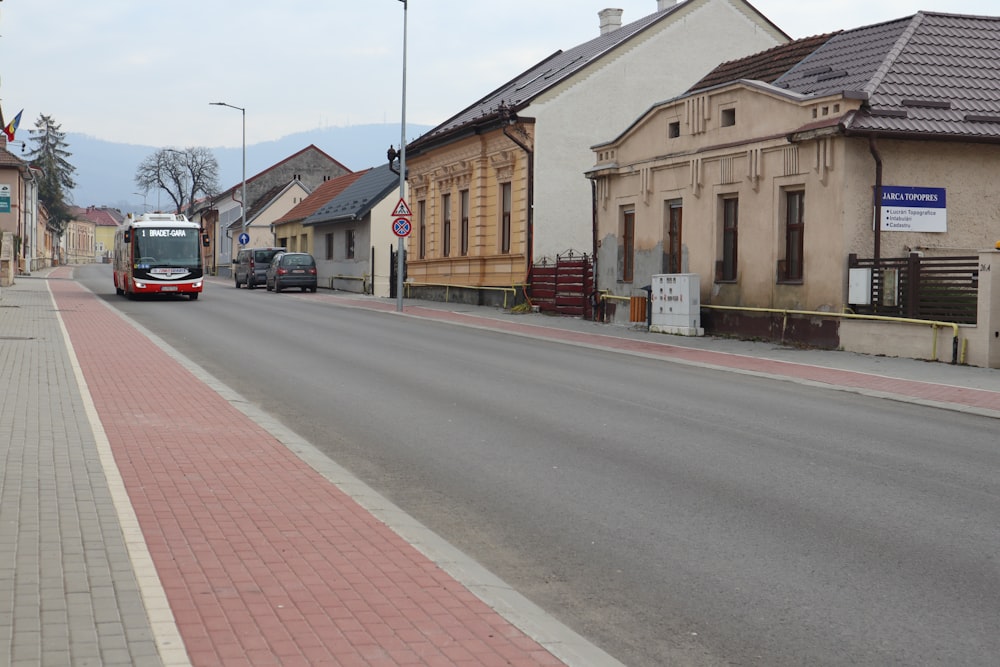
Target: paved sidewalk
262, 559
174, 525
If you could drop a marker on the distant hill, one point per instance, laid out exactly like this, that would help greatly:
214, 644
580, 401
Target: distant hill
105, 170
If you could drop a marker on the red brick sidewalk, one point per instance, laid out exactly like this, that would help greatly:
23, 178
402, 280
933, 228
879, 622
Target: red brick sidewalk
264, 561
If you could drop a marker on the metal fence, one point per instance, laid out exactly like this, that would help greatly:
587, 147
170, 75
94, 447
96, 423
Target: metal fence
923, 288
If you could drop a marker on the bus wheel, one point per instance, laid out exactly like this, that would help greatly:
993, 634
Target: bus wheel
194, 296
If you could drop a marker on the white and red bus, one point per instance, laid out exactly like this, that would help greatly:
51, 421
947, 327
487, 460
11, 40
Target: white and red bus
158, 253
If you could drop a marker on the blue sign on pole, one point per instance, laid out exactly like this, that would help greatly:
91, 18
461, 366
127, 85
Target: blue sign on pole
244, 238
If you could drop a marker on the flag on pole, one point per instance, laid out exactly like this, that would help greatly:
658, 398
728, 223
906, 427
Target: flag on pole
11, 127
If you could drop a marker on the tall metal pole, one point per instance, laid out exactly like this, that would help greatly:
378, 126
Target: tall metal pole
243, 203
400, 265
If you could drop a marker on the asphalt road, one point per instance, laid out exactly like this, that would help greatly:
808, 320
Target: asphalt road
671, 514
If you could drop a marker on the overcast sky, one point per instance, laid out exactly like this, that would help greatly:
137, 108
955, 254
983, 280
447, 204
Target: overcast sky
144, 72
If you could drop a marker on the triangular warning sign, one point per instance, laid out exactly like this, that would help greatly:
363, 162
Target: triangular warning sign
402, 210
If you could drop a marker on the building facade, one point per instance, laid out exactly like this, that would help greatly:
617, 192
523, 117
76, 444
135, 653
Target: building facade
765, 182
500, 185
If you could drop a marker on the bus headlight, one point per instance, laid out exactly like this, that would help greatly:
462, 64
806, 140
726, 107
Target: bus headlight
139, 285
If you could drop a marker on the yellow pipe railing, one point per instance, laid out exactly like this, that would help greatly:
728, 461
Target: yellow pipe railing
508, 291
934, 324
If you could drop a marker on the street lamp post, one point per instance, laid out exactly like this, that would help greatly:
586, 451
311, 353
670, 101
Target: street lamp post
243, 203
400, 264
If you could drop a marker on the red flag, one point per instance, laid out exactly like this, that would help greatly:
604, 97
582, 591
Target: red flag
12, 126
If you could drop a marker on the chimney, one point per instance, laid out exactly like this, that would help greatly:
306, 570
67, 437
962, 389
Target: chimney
611, 20
666, 4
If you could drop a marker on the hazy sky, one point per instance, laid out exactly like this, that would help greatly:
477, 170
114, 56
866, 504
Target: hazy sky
144, 72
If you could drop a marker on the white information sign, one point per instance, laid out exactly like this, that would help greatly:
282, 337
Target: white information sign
913, 209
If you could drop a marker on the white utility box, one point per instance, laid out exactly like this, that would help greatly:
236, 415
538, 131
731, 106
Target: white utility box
675, 301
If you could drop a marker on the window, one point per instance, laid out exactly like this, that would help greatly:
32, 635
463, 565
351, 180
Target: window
794, 227
464, 220
304, 244
626, 246
349, 244
730, 239
446, 225
674, 130
329, 246
422, 227
728, 117
672, 238
505, 209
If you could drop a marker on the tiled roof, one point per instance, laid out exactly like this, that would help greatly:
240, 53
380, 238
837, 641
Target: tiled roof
320, 196
99, 215
358, 199
931, 74
8, 159
848, 61
260, 204
521, 90
764, 66
251, 179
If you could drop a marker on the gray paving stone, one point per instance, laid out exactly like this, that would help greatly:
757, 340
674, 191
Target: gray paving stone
65, 573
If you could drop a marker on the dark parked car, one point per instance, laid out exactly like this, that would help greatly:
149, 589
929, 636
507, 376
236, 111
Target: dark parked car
291, 269
250, 265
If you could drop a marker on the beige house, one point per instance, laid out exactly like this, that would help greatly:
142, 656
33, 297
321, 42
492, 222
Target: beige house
269, 207
289, 232
761, 179
79, 241
106, 221
352, 237
497, 187
221, 216
22, 217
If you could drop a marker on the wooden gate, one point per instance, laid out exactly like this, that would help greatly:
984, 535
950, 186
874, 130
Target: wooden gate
565, 286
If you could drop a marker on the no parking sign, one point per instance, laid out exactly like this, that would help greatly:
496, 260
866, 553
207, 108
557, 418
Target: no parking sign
401, 227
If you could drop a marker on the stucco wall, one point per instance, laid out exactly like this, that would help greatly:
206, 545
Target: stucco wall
754, 160
600, 106
480, 164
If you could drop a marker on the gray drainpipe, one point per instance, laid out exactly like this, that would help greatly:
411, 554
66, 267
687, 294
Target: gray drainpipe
873, 148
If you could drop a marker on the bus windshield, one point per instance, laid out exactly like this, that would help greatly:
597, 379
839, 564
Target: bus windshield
171, 247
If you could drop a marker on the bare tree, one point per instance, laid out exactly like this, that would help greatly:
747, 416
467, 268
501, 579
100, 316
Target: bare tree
183, 175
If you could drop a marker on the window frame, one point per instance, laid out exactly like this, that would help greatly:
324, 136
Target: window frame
422, 227
506, 208
463, 199
626, 267
792, 268
349, 243
730, 242
446, 224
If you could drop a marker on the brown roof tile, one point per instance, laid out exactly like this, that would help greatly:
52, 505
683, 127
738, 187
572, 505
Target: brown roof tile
764, 66
321, 195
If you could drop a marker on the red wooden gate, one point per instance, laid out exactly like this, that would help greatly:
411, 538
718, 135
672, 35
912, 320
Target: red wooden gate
564, 287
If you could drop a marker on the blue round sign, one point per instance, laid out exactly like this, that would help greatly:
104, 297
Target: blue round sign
244, 238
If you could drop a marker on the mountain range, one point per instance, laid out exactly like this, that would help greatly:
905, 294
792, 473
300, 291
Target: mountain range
105, 170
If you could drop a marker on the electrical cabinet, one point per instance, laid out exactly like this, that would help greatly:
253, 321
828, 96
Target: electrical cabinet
675, 300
